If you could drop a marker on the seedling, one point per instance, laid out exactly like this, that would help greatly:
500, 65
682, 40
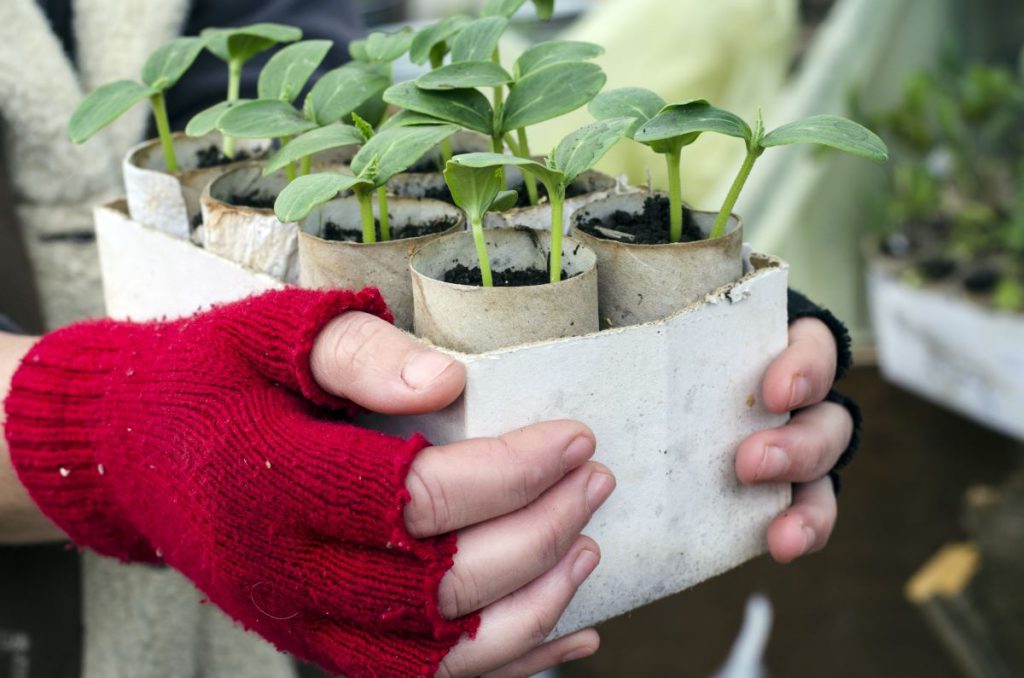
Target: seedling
235, 46
643, 105
549, 80
695, 117
382, 157
477, 191
162, 70
301, 133
468, 175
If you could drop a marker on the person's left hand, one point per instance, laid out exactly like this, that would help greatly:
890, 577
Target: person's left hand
807, 447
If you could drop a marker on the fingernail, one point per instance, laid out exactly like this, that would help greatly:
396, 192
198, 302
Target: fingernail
809, 538
584, 564
423, 368
800, 391
578, 653
599, 486
577, 452
774, 462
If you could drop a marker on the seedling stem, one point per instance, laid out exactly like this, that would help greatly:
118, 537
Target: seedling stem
385, 219
234, 88
364, 195
675, 195
163, 128
477, 222
557, 198
523, 151
753, 153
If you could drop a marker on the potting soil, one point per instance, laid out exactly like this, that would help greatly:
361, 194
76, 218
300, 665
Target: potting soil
649, 227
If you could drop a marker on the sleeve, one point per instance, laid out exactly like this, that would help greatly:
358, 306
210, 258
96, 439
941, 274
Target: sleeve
205, 83
802, 307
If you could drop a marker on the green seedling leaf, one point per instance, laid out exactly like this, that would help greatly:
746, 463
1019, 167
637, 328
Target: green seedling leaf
289, 70
168, 63
582, 149
357, 50
364, 128
631, 102
263, 119
242, 44
502, 8
478, 39
407, 119
545, 9
506, 8
104, 105
465, 75
832, 131
474, 189
305, 194
548, 176
505, 200
683, 123
314, 141
204, 122
554, 52
383, 48
550, 92
394, 150
465, 107
343, 90
434, 38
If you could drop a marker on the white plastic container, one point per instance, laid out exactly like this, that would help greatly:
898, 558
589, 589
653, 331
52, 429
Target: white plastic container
943, 346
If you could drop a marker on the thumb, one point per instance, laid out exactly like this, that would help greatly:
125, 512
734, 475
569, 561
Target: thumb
374, 364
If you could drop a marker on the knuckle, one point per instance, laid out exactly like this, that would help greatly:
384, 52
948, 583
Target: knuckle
355, 343
428, 510
550, 540
538, 625
463, 594
520, 478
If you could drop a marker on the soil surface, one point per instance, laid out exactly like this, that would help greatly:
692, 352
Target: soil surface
649, 227
983, 280
211, 156
442, 193
937, 268
511, 277
333, 231
573, 190
255, 198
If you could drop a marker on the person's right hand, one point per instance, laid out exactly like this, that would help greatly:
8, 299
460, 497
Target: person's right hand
518, 502
207, 443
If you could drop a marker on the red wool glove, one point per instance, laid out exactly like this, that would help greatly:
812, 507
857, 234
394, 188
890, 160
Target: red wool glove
204, 443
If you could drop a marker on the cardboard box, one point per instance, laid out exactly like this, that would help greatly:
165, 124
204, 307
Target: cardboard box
669, 401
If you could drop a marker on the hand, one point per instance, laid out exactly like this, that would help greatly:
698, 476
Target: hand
518, 501
198, 443
807, 447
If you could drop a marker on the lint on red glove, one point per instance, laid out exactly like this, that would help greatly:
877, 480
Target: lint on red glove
206, 444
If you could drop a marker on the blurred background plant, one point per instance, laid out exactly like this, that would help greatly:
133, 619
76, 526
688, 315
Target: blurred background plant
955, 207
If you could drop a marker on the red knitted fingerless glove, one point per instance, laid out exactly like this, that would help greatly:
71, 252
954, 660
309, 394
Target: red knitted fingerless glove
206, 444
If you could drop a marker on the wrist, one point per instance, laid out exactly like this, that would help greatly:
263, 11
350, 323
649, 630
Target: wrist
21, 521
56, 417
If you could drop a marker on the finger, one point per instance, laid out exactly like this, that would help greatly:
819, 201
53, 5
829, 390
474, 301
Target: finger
803, 374
516, 624
566, 649
468, 482
805, 527
803, 450
374, 364
503, 555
